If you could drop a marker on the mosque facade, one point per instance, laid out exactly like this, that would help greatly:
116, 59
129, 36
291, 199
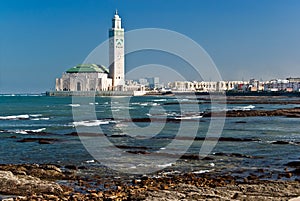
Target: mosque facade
95, 77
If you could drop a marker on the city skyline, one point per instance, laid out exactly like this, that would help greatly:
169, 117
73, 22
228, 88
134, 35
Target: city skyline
248, 39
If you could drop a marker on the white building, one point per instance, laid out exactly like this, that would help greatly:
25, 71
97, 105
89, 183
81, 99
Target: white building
288, 85
116, 54
93, 77
203, 86
84, 77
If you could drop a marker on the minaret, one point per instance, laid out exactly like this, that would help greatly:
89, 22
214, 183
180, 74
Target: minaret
116, 54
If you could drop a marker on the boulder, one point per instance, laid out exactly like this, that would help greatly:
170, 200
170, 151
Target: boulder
11, 184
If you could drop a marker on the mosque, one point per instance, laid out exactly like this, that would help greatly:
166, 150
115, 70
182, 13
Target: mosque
94, 77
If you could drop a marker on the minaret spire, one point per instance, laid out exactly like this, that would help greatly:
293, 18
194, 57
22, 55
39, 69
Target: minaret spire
116, 54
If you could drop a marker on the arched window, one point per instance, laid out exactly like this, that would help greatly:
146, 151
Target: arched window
78, 86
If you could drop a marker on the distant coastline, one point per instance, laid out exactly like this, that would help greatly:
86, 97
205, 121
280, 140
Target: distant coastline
151, 93
237, 93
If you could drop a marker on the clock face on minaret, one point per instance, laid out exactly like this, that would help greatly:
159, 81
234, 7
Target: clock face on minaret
116, 53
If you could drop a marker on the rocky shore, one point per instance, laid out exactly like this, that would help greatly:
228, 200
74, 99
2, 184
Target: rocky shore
52, 182
289, 112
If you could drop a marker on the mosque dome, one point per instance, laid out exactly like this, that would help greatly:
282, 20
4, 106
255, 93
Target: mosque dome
88, 68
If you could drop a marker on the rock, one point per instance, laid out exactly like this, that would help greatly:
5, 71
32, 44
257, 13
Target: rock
295, 199
52, 167
241, 122
294, 164
235, 196
45, 142
190, 157
137, 152
296, 171
19, 172
50, 197
280, 142
7, 199
39, 140
23, 185
71, 167
94, 195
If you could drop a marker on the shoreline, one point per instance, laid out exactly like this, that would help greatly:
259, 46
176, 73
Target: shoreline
52, 182
173, 93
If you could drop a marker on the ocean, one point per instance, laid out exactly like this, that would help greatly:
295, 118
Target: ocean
141, 135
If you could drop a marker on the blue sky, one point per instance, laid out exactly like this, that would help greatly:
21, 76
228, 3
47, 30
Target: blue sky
39, 39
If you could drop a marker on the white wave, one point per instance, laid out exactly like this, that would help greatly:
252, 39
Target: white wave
160, 100
165, 165
90, 123
35, 115
15, 117
95, 103
24, 117
189, 117
149, 115
170, 173
184, 99
74, 105
90, 161
38, 119
36, 130
20, 132
24, 132
7, 95
201, 171
244, 108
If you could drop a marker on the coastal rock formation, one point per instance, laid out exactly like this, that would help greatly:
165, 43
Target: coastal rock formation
49, 172
290, 112
187, 186
254, 191
11, 184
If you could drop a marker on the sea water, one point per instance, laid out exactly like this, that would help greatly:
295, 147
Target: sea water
141, 126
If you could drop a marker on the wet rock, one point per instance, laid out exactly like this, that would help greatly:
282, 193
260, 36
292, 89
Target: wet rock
288, 112
235, 155
51, 167
71, 167
190, 157
131, 147
120, 135
294, 164
296, 171
45, 142
235, 196
240, 122
137, 152
39, 140
280, 142
22, 185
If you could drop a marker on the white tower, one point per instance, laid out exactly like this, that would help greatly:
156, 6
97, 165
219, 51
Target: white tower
116, 54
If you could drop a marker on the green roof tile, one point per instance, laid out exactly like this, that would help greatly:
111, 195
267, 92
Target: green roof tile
88, 68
